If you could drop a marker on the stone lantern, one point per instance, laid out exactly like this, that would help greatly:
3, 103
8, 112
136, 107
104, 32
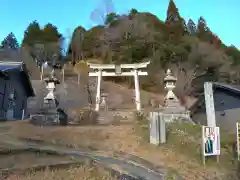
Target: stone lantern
170, 84
173, 110
51, 82
50, 113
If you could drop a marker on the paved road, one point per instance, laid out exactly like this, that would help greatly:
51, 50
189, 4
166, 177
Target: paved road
138, 171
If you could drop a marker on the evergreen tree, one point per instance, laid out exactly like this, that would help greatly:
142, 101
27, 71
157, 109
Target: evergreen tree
175, 23
111, 19
202, 29
192, 29
185, 27
43, 44
173, 15
133, 12
50, 33
32, 34
76, 44
10, 42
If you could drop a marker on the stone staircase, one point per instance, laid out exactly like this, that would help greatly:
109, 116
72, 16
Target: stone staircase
69, 94
115, 116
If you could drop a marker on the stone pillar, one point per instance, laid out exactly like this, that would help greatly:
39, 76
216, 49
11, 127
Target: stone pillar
209, 103
98, 93
137, 90
157, 128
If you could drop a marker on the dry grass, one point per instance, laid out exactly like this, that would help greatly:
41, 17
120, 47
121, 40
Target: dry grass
77, 173
184, 141
109, 139
128, 138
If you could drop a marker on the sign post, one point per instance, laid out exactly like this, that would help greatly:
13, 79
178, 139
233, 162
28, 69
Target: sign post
238, 140
210, 142
209, 103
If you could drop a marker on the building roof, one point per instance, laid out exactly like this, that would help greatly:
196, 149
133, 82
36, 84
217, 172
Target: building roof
3, 75
11, 60
234, 89
9, 55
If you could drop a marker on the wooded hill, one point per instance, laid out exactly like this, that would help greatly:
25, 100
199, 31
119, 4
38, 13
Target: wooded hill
193, 52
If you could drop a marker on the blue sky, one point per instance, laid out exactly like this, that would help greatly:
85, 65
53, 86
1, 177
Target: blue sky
221, 15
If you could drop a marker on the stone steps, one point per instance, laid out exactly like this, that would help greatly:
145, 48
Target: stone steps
115, 116
69, 94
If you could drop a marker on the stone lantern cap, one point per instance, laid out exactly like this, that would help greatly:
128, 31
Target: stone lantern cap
52, 79
169, 76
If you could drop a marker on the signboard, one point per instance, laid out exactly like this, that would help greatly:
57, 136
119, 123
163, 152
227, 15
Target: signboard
238, 140
211, 141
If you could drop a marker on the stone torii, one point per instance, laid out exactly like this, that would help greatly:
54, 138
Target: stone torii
134, 71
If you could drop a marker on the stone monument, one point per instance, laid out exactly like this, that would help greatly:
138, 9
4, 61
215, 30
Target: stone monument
172, 107
103, 103
50, 99
50, 113
170, 112
171, 99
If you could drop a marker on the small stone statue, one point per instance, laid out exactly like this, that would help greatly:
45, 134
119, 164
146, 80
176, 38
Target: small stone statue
104, 102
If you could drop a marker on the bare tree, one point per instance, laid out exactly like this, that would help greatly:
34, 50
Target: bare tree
81, 69
202, 57
30, 63
66, 43
77, 43
99, 14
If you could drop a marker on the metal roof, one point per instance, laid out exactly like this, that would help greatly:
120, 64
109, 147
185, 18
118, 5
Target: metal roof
10, 55
12, 60
5, 67
235, 89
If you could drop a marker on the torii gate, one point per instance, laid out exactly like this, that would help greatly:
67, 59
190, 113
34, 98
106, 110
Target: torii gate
99, 72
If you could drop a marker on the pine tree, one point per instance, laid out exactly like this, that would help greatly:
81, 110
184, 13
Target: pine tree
111, 18
173, 15
50, 33
192, 29
33, 34
176, 24
133, 12
10, 42
185, 27
202, 29
43, 44
76, 44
